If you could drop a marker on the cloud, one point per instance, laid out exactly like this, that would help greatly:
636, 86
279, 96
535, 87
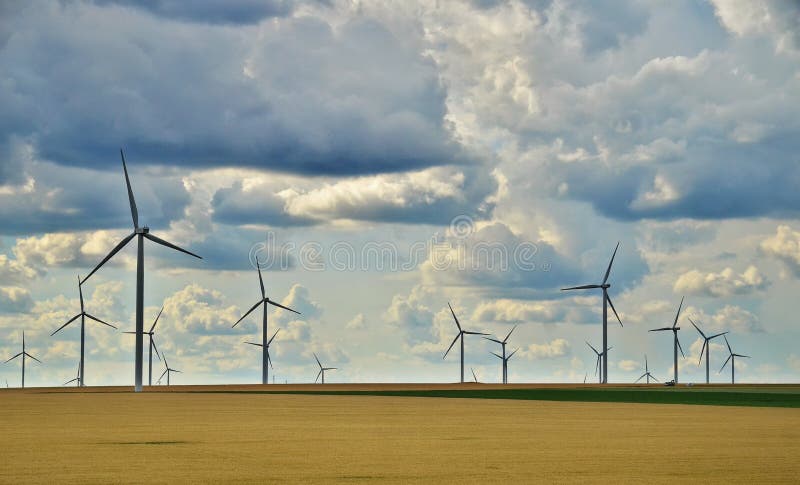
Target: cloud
776, 19
346, 99
298, 299
723, 284
210, 11
728, 318
356, 323
628, 365
419, 197
200, 311
785, 246
554, 349
15, 300
511, 311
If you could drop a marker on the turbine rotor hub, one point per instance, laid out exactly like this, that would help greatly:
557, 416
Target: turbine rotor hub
142, 230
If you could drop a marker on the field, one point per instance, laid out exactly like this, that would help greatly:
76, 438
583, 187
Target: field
240, 433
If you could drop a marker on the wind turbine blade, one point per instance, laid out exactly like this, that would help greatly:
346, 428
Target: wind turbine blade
100, 321
583, 287
451, 345
176, 370
69, 381
473, 374
454, 316
675, 324
158, 240
80, 292
331, 368
511, 354
32, 357
133, 333
134, 212
280, 306
705, 342
475, 333
319, 374
726, 363
110, 255
269, 361
157, 317
162, 375
273, 336
608, 299
261, 281
493, 340
248, 312
317, 359
509, 334
640, 378
595, 350
698, 328
660, 329
608, 270
679, 346
68, 322
597, 365
253, 343
728, 344
498, 356
740, 355
154, 347
12, 358
717, 335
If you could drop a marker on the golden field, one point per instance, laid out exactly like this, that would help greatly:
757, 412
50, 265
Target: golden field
110, 435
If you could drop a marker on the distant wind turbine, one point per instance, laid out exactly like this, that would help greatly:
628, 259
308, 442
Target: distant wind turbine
77, 379
647, 373
264, 342
321, 370
82, 315
706, 347
269, 359
23, 354
150, 348
732, 358
141, 233
168, 370
503, 358
598, 369
676, 344
461, 333
606, 303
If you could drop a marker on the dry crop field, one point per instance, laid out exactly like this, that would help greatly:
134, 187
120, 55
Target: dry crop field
106, 435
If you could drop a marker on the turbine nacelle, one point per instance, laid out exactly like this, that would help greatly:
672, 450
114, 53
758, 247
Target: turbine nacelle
141, 230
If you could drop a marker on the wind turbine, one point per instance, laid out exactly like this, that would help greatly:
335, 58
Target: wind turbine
505, 361
168, 370
646, 373
269, 359
264, 342
461, 333
76, 380
140, 233
82, 315
151, 348
606, 303
706, 347
676, 344
321, 370
600, 362
23, 354
732, 358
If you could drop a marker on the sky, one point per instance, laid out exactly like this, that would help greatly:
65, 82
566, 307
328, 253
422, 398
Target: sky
384, 158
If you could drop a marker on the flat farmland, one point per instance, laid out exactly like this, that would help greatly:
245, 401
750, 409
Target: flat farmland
212, 434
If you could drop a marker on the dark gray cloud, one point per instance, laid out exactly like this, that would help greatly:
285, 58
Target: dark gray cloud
210, 11
293, 96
